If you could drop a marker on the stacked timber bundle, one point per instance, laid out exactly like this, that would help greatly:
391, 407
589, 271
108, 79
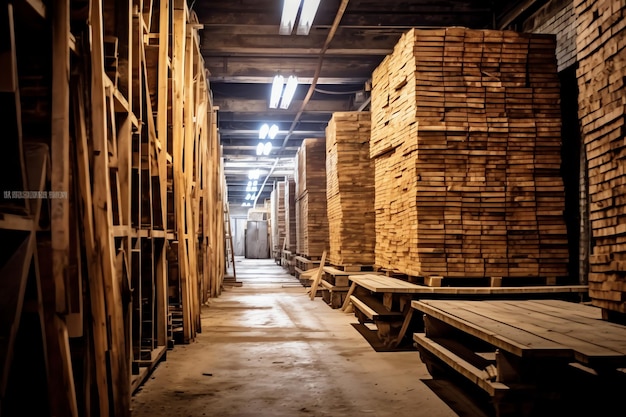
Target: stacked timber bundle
290, 214
602, 113
278, 218
311, 216
350, 189
466, 142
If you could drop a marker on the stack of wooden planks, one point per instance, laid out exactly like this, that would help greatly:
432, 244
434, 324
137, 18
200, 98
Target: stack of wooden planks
277, 212
311, 216
350, 189
290, 214
466, 146
601, 39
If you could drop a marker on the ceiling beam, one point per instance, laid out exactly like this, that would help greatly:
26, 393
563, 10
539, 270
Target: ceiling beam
352, 70
253, 106
223, 77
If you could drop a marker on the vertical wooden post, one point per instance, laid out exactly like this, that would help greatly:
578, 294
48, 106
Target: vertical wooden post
60, 149
178, 136
120, 379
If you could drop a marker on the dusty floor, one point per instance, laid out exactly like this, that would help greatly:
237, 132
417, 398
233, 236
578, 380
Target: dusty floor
266, 349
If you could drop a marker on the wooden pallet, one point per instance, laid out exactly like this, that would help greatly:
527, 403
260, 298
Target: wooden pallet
518, 351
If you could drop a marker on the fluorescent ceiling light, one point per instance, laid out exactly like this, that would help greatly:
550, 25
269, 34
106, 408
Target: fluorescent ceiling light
248, 196
288, 19
309, 9
253, 174
277, 90
263, 131
292, 84
259, 148
267, 148
272, 131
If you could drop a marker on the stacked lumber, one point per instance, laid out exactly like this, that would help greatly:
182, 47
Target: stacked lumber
290, 214
311, 216
466, 148
601, 73
277, 198
350, 189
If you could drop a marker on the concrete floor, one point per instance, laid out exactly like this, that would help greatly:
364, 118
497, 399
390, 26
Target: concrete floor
266, 349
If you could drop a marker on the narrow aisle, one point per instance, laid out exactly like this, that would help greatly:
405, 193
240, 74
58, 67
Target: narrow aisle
266, 349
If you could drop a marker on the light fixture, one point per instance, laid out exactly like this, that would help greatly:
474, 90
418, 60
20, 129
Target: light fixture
264, 131
267, 148
290, 12
290, 89
248, 196
259, 148
288, 18
253, 174
309, 9
277, 91
272, 132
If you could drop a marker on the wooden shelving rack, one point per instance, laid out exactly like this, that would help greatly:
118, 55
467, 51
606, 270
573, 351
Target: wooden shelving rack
111, 217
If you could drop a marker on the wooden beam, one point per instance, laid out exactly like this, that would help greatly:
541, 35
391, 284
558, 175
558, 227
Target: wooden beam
178, 136
162, 99
96, 287
510, 16
60, 150
253, 106
120, 380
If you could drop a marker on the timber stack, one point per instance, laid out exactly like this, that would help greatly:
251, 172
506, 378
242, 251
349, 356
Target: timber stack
600, 39
311, 216
466, 146
277, 202
350, 190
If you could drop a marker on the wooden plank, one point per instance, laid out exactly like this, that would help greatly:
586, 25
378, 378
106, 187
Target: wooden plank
119, 366
318, 277
372, 307
95, 281
380, 283
60, 150
178, 136
346, 302
558, 306
479, 377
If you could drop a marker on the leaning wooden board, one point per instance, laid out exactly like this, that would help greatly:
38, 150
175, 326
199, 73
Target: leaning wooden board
536, 328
